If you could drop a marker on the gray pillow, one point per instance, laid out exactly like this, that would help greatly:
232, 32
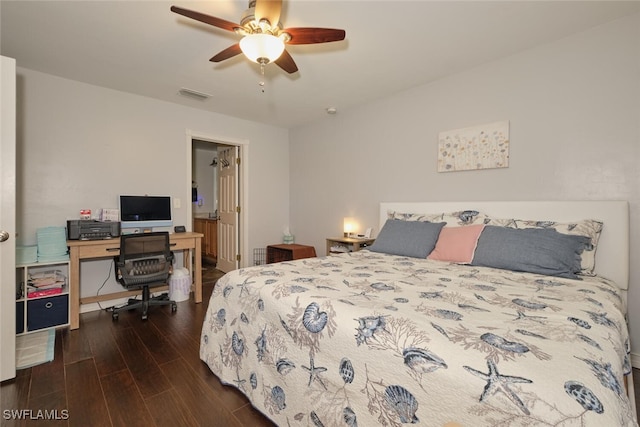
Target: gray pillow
532, 250
407, 238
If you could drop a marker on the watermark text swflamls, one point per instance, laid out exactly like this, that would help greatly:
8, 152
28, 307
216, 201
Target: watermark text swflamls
35, 414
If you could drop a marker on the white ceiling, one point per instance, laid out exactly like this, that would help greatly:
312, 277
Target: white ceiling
143, 48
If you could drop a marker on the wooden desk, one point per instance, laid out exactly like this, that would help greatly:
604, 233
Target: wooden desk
92, 249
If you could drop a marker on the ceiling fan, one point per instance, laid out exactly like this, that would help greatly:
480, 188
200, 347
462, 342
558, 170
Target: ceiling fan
264, 38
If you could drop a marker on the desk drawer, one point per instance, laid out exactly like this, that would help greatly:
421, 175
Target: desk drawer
111, 248
102, 250
182, 244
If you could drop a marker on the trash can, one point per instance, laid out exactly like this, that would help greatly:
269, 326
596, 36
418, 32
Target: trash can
179, 284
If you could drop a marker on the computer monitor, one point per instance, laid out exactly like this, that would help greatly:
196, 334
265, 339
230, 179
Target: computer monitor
145, 211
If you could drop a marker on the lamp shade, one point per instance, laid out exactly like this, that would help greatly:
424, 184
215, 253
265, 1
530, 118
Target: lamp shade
349, 226
262, 48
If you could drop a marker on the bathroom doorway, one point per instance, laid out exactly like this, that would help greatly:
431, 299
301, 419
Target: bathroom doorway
222, 229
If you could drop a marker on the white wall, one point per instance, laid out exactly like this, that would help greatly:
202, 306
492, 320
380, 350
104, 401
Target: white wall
80, 146
574, 112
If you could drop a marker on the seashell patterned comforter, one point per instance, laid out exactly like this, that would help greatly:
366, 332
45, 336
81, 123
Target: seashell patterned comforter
364, 339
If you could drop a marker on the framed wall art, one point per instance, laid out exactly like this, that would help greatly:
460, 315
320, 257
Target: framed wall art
472, 148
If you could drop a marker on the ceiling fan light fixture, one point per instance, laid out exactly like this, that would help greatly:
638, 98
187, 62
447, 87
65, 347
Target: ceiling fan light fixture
263, 35
262, 48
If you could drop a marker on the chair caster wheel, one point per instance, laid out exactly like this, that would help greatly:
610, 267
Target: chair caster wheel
144, 317
174, 308
114, 316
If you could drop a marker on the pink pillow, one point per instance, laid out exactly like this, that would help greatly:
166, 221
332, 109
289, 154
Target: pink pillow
457, 244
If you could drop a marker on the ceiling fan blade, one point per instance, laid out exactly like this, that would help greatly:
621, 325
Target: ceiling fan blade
304, 35
207, 19
286, 62
229, 52
269, 10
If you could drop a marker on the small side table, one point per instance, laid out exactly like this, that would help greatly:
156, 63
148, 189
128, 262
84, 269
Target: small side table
339, 245
289, 252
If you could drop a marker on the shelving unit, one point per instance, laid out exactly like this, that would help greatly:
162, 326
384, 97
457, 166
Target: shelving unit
38, 312
339, 245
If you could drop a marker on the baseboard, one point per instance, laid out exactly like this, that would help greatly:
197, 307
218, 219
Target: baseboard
87, 308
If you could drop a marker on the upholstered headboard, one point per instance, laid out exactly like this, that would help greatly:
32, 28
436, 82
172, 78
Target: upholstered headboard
612, 254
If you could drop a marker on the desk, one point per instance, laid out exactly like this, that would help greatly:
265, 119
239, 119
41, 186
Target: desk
92, 249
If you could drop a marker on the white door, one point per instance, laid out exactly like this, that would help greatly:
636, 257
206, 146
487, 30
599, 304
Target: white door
7, 218
228, 209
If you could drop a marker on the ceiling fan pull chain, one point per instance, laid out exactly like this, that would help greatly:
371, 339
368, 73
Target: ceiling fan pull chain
261, 82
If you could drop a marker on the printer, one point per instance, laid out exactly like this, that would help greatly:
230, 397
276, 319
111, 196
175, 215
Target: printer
89, 229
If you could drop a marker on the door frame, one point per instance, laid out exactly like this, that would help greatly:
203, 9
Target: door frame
243, 187
8, 167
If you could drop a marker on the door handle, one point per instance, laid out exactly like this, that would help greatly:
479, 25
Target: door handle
4, 235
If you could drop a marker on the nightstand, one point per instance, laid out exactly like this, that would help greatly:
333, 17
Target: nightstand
339, 245
289, 252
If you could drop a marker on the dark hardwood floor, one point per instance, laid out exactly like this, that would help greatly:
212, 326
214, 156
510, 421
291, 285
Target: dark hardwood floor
133, 373
129, 373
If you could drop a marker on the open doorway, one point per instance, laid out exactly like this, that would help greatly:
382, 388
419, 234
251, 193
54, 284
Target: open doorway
217, 197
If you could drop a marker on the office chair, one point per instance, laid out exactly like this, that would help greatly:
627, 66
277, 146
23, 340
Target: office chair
145, 260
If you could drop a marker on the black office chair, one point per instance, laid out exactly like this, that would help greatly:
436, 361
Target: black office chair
145, 260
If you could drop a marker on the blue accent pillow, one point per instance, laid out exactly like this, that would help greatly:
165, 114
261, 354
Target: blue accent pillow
407, 238
532, 250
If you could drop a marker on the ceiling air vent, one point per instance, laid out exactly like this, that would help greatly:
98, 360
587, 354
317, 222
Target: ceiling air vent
194, 94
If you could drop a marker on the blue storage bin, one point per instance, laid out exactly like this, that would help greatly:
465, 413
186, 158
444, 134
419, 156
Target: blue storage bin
19, 317
47, 312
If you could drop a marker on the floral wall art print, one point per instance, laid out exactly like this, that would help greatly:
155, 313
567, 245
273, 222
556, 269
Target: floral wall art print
478, 147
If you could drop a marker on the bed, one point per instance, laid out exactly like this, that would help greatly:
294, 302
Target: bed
386, 336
